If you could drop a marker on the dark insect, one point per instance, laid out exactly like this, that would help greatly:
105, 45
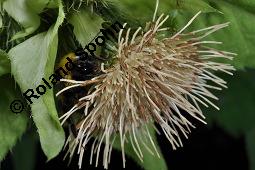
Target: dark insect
86, 67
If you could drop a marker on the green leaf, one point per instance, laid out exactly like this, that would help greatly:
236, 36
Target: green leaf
150, 162
238, 37
40, 52
26, 13
237, 103
12, 125
189, 5
5, 65
37, 6
86, 25
144, 9
51, 134
250, 147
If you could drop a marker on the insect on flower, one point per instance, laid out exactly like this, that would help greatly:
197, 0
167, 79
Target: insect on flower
151, 80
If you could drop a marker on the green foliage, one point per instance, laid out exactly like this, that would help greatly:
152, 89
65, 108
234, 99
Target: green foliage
86, 25
5, 66
9, 28
40, 51
24, 14
191, 5
12, 125
51, 135
143, 10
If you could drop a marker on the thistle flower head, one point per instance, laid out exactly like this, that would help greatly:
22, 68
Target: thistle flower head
153, 79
